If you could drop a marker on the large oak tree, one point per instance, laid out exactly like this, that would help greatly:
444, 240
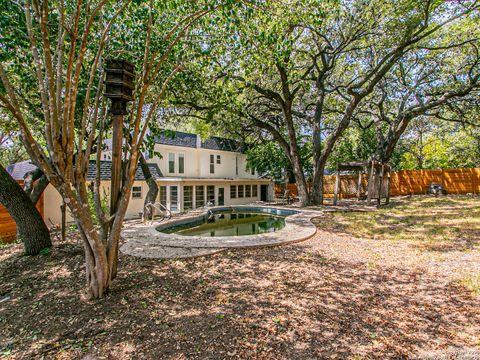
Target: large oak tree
305, 68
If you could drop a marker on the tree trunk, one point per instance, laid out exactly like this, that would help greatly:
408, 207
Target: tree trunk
32, 230
33, 190
152, 193
38, 189
295, 159
318, 164
303, 194
317, 185
98, 272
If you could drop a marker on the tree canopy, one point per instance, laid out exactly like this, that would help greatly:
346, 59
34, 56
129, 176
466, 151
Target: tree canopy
311, 69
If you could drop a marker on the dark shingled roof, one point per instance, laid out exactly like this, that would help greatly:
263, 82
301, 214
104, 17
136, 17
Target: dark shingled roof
218, 143
18, 170
177, 138
106, 171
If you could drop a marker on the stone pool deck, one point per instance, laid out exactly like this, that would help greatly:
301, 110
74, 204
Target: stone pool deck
143, 240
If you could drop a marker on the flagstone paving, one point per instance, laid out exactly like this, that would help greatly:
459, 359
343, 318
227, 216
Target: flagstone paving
145, 241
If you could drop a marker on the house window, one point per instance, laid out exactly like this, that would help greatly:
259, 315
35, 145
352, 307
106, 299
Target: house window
181, 163
199, 196
254, 190
187, 197
240, 191
236, 165
163, 195
173, 198
212, 164
248, 191
233, 191
171, 163
211, 194
136, 192
253, 171
219, 159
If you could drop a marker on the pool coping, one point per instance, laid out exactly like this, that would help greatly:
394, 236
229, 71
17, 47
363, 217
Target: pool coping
298, 227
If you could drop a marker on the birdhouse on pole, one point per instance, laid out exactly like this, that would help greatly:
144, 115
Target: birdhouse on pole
119, 84
119, 89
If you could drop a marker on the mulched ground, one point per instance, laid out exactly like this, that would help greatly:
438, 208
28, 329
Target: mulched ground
318, 299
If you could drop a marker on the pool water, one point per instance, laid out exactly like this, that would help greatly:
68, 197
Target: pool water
230, 224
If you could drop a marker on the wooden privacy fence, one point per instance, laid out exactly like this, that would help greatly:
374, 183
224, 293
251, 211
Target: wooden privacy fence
405, 182
8, 228
455, 181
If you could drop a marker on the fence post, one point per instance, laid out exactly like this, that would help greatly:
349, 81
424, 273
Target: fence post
370, 183
337, 190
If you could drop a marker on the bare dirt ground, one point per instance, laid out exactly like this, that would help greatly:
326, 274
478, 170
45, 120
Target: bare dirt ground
333, 296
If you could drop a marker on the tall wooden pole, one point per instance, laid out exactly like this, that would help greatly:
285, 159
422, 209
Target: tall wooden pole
116, 179
119, 89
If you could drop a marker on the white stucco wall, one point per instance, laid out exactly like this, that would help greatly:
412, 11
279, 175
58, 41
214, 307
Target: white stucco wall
197, 163
53, 201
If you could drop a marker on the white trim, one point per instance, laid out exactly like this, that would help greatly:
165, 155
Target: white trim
172, 179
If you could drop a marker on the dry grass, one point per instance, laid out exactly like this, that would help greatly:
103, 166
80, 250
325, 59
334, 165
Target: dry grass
472, 282
430, 223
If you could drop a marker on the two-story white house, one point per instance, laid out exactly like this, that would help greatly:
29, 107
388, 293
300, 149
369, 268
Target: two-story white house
190, 174
196, 172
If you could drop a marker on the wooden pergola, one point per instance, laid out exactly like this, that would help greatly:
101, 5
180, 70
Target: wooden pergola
377, 172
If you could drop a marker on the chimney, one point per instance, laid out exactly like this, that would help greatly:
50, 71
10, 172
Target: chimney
199, 141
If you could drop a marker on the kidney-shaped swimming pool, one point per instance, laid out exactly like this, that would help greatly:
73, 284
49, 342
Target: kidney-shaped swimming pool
231, 221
